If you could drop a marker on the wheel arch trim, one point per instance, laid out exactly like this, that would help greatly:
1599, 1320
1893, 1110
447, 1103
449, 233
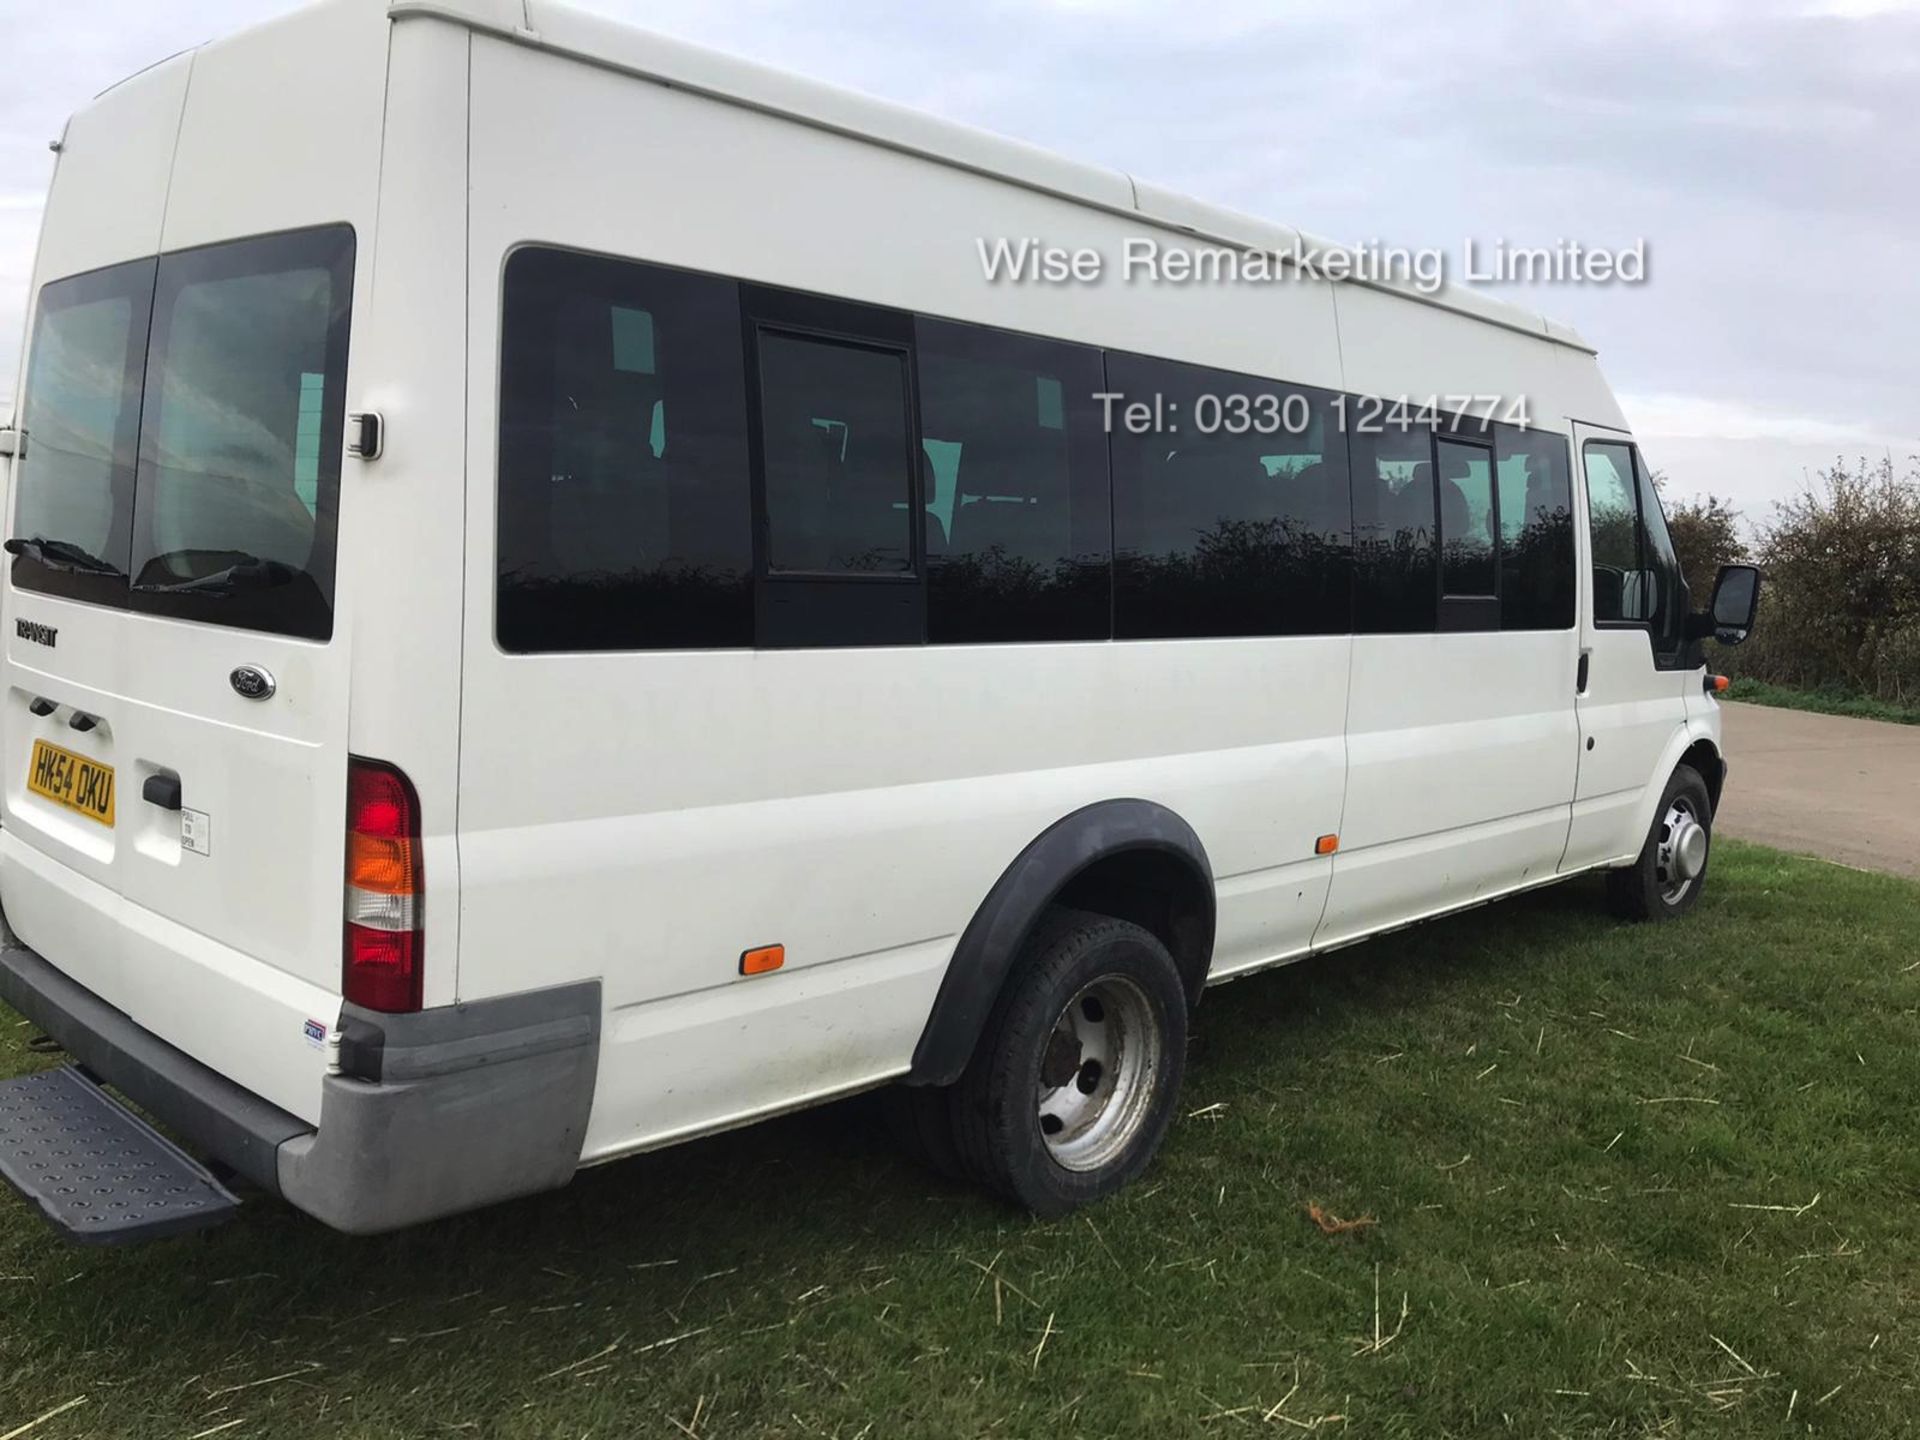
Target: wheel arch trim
1704, 754
1686, 738
991, 943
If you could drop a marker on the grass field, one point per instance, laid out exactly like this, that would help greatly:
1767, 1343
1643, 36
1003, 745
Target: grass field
1823, 702
1627, 1181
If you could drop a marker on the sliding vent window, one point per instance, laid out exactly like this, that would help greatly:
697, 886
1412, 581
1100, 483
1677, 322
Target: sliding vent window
1536, 529
74, 519
1395, 517
241, 433
624, 485
1017, 512
1467, 528
1234, 518
837, 455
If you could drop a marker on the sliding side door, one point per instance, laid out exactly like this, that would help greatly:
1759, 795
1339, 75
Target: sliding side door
1461, 735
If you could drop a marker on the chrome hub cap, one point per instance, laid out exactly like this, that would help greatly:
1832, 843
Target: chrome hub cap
1681, 852
1098, 1075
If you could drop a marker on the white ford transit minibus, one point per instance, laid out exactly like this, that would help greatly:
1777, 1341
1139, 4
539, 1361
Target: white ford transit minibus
552, 609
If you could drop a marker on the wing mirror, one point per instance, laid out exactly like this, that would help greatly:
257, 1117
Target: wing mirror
1736, 598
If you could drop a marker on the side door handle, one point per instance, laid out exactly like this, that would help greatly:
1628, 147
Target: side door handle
1580, 675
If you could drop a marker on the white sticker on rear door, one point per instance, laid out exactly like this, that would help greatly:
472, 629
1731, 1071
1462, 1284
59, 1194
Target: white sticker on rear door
196, 831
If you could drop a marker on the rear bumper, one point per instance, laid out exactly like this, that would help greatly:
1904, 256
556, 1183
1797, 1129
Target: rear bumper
209, 1111
453, 1108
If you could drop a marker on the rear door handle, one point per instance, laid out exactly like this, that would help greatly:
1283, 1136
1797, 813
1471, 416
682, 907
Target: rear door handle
162, 790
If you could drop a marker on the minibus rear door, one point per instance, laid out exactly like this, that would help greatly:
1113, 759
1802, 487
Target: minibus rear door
176, 690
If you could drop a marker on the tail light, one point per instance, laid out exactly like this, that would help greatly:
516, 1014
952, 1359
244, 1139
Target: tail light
384, 939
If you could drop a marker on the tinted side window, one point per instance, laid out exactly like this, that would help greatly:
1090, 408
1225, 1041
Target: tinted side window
1221, 533
624, 487
1467, 518
1017, 503
1395, 515
1536, 530
839, 478
1620, 588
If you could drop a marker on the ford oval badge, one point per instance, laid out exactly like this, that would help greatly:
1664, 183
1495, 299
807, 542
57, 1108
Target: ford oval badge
251, 682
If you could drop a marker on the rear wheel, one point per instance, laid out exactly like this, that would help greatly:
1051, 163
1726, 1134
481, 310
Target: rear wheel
920, 1120
1665, 881
1074, 1081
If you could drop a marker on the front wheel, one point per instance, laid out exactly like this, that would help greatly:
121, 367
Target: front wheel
1075, 1080
1666, 880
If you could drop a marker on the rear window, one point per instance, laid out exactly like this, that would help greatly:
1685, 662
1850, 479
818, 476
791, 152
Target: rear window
184, 421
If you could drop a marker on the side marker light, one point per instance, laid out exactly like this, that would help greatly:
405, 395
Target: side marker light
764, 960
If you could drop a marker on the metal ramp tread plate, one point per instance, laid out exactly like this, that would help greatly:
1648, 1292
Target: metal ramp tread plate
98, 1172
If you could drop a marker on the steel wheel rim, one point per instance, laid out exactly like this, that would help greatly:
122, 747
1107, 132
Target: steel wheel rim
1098, 1073
1681, 838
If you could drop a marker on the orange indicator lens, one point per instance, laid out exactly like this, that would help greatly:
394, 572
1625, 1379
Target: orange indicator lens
763, 960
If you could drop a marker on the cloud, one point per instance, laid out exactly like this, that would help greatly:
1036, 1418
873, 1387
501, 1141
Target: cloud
1864, 9
1696, 417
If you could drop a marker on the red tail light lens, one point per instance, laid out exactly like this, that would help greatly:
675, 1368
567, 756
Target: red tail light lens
383, 969
384, 940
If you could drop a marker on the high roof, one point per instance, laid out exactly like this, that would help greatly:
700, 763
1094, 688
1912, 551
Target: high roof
659, 58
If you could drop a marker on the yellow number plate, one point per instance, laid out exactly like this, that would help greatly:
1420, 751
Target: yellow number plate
82, 785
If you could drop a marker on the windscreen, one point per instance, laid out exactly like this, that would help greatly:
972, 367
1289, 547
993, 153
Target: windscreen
184, 422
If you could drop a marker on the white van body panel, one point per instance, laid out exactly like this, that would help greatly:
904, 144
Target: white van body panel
1492, 763
219, 1004
403, 546
116, 159
295, 106
637, 820
762, 771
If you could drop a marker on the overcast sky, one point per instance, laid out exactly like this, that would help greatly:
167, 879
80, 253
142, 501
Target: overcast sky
1767, 151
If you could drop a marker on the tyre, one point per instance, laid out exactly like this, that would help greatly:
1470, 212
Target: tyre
920, 1120
1666, 880
1074, 1082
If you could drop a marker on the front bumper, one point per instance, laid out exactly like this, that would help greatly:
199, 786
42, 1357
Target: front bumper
448, 1109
